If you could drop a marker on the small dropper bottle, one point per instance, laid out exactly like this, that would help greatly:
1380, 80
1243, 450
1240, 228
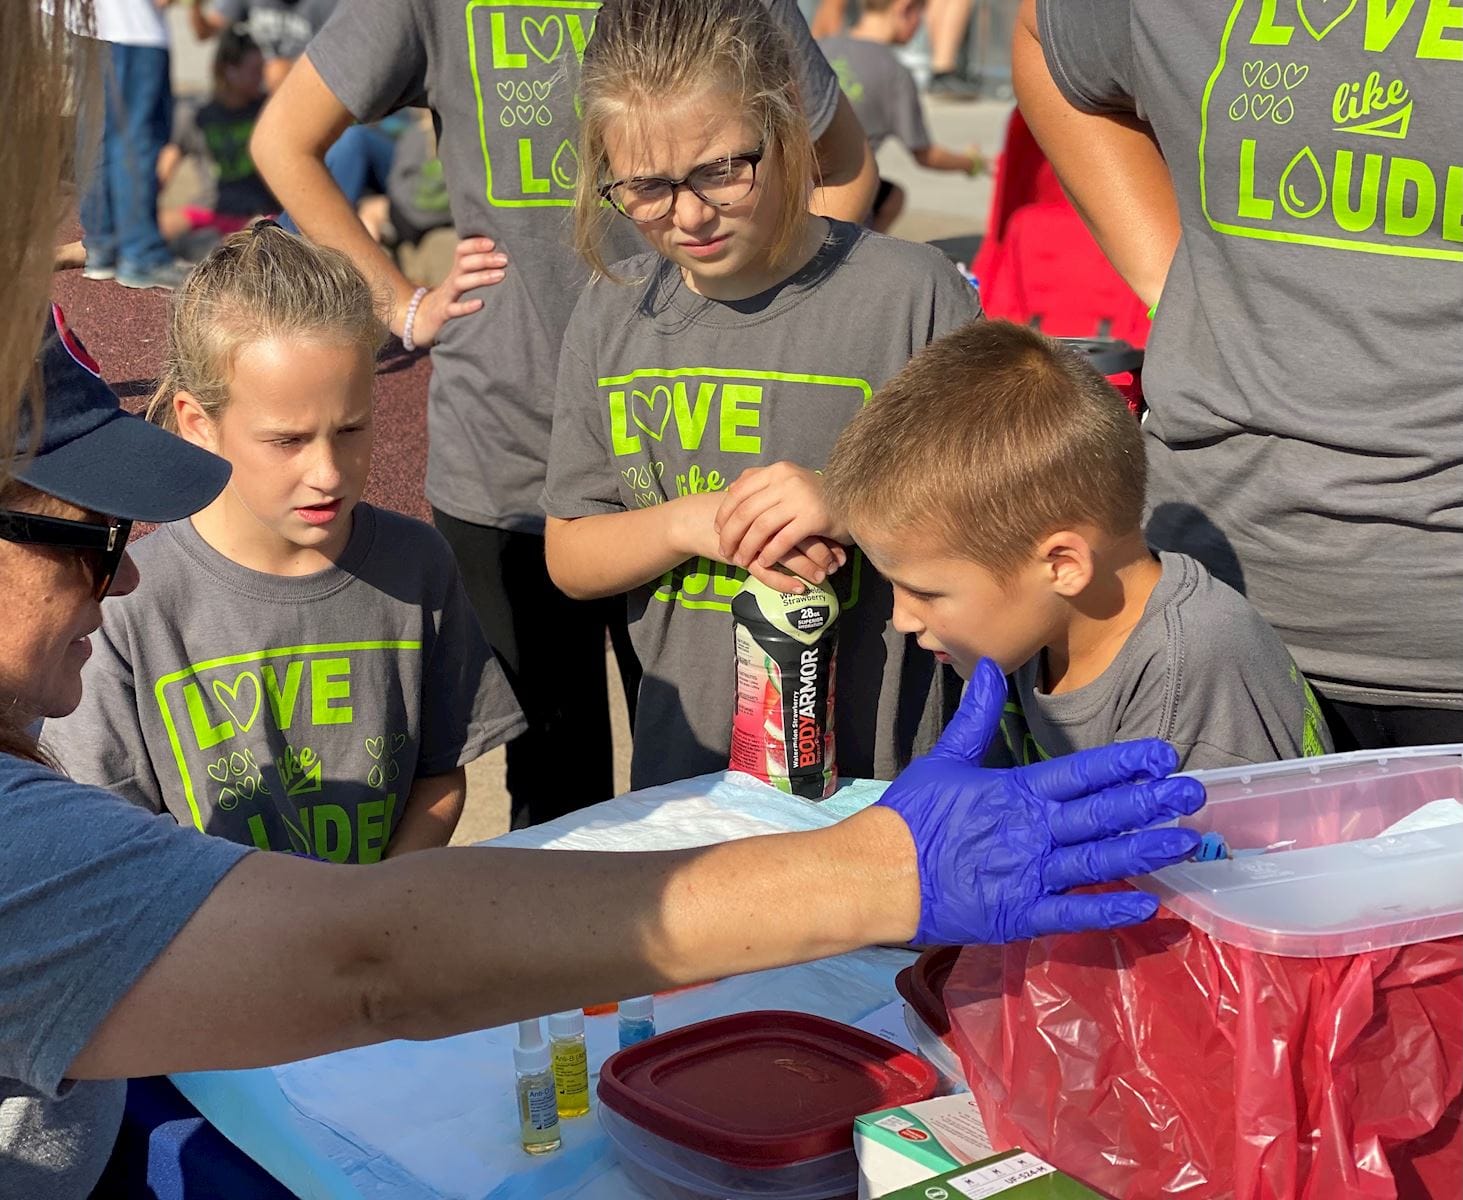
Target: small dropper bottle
637, 1020
571, 1062
538, 1110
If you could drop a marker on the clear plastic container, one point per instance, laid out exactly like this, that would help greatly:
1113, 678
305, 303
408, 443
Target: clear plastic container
931, 1048
1318, 867
922, 986
755, 1104
666, 1171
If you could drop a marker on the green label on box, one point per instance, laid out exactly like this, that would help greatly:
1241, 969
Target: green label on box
1015, 1175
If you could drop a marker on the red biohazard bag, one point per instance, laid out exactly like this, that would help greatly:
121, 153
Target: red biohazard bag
1159, 1061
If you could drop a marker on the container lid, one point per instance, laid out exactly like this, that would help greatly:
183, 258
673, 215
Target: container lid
637, 1008
566, 1024
922, 984
1328, 856
762, 1090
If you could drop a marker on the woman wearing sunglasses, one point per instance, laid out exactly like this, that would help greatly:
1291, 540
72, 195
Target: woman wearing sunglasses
131, 946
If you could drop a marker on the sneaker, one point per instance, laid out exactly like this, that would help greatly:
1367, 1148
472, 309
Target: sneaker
97, 270
951, 85
165, 276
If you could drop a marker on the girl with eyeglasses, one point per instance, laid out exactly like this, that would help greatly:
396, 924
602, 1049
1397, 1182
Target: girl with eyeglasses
298, 670
702, 384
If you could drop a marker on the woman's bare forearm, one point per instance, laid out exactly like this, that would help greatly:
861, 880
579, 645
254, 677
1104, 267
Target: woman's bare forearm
295, 130
288, 958
1110, 166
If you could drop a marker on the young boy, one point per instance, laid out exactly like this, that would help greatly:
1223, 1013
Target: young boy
998, 483
885, 96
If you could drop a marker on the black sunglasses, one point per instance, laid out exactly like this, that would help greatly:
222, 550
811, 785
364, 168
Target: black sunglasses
103, 543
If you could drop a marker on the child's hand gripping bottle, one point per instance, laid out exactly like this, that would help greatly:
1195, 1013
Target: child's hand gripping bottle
783, 729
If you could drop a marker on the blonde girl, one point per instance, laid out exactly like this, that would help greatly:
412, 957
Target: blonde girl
702, 384
299, 670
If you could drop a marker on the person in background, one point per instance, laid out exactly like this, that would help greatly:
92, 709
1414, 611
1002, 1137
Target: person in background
280, 28
885, 96
119, 205
298, 670
998, 484
360, 160
218, 134
948, 23
1287, 193
509, 133
643, 494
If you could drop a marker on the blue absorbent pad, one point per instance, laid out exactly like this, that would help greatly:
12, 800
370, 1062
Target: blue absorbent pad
436, 1120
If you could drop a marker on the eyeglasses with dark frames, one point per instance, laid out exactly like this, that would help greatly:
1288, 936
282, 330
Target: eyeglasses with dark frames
721, 182
102, 543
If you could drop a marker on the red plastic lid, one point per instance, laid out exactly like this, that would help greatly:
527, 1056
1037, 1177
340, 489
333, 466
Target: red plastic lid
761, 1090
923, 986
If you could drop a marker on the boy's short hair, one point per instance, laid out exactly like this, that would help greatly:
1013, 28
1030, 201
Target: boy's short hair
991, 439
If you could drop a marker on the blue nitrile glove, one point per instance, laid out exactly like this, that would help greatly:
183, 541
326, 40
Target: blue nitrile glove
997, 848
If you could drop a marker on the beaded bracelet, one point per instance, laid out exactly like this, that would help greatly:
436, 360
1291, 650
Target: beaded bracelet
407, 342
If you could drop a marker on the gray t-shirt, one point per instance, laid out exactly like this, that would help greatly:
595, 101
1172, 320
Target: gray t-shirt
1201, 670
280, 28
288, 713
1305, 371
663, 393
91, 891
880, 88
508, 139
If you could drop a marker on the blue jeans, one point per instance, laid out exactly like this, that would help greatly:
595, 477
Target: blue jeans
119, 206
360, 161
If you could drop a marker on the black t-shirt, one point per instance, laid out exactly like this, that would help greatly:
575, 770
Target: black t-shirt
221, 135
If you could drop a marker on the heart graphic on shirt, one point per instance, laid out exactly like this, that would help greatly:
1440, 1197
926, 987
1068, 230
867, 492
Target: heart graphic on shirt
1328, 14
505, 92
565, 165
1260, 106
219, 771
246, 788
1250, 73
1295, 75
397, 743
657, 407
375, 746
524, 113
551, 28
541, 89
228, 695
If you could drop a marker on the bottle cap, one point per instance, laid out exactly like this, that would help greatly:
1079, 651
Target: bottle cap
566, 1024
641, 1008
531, 1055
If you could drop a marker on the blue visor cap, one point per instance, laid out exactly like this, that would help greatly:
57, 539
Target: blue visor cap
94, 454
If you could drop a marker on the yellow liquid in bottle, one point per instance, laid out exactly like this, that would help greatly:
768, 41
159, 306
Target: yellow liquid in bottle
571, 1075
538, 1115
